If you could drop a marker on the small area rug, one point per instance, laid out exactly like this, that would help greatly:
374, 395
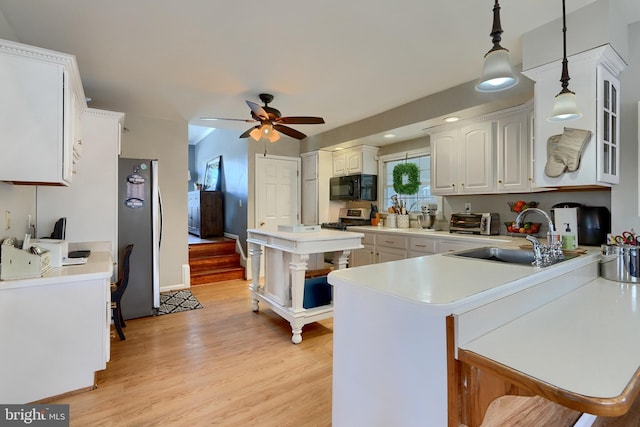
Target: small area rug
175, 301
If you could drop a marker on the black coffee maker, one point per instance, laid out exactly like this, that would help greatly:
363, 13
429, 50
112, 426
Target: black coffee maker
594, 223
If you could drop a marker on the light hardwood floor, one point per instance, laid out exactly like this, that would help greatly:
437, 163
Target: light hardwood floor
222, 365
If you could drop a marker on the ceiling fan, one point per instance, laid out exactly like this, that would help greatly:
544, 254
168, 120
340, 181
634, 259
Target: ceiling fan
271, 121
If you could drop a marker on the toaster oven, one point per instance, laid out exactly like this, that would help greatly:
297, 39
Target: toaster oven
486, 223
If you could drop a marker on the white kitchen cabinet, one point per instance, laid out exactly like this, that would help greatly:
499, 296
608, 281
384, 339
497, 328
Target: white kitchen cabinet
365, 255
40, 108
352, 161
513, 153
316, 172
594, 79
60, 336
421, 246
390, 247
462, 159
446, 245
90, 204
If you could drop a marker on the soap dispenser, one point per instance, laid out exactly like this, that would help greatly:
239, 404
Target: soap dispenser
568, 238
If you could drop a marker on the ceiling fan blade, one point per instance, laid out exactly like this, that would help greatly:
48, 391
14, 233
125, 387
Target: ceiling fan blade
257, 111
289, 131
222, 118
300, 120
247, 132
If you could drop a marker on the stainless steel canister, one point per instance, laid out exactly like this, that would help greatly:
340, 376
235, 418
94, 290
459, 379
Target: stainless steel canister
620, 263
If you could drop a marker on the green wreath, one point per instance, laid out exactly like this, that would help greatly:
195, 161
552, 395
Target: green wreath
413, 177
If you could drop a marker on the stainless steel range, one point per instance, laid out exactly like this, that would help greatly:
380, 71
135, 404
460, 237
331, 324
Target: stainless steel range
349, 217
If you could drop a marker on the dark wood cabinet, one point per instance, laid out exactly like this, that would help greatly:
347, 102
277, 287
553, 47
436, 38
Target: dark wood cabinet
206, 217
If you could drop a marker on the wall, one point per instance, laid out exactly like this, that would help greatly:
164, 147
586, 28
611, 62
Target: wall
149, 138
20, 202
544, 44
624, 196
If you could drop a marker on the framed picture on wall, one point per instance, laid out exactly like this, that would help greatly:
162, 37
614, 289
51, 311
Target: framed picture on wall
212, 174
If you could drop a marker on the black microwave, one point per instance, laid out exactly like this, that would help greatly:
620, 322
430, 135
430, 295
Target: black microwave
354, 187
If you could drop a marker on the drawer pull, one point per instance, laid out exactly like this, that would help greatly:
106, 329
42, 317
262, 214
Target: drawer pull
421, 246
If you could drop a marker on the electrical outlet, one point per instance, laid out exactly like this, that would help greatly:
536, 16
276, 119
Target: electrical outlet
467, 207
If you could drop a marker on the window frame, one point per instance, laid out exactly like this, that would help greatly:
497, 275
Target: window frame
394, 157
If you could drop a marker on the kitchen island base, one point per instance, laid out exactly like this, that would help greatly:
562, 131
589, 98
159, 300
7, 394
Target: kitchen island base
286, 256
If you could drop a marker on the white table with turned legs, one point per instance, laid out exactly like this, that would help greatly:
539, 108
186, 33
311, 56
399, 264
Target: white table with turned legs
285, 257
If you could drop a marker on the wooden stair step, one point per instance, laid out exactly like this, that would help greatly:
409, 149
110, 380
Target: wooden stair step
202, 250
214, 262
219, 275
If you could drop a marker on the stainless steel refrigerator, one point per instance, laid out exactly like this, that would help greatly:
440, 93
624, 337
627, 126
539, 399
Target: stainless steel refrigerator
140, 223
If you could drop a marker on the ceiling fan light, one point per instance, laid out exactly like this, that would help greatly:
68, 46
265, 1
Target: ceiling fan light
565, 107
273, 136
497, 74
255, 133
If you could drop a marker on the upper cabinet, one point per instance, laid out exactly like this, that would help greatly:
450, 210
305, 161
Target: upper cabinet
484, 155
352, 161
40, 115
594, 79
462, 159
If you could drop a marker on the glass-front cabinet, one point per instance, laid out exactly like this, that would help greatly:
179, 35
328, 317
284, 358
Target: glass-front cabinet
608, 126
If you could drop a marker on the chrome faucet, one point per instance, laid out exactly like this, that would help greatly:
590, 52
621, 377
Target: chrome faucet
522, 214
544, 255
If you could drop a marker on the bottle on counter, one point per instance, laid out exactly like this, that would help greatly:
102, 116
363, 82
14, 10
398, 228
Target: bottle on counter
568, 238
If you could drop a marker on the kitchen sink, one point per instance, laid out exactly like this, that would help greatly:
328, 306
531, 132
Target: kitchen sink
509, 256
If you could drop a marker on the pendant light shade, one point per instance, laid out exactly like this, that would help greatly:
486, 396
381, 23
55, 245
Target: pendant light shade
497, 74
565, 106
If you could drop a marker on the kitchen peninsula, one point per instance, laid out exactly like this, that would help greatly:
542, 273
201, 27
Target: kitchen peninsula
391, 331
56, 328
285, 255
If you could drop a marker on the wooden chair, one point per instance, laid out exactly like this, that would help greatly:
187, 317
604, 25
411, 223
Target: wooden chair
117, 290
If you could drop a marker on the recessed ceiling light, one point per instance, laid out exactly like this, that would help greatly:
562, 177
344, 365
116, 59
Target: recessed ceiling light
451, 119
390, 135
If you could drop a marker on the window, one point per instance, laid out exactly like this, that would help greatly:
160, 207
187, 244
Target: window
413, 202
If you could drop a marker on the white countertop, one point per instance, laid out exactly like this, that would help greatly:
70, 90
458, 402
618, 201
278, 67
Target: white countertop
99, 265
445, 279
307, 242
413, 232
584, 342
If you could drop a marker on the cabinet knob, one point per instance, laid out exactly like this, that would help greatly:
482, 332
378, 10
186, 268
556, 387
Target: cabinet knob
499, 181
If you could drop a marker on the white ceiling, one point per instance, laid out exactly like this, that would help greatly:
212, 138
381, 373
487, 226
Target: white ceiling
342, 60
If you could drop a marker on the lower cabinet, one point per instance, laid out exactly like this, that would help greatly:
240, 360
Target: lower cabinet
390, 248
451, 246
366, 254
383, 246
206, 215
421, 246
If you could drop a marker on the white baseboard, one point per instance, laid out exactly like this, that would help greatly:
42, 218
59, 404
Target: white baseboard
177, 287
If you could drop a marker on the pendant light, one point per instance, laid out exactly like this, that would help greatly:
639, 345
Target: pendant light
497, 74
564, 106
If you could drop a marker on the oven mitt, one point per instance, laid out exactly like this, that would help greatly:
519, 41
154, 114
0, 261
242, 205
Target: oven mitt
555, 166
564, 151
571, 146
